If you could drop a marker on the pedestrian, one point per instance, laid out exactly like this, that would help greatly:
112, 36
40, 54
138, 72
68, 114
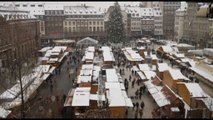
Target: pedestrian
142, 104
130, 77
140, 112
120, 71
135, 72
133, 82
133, 105
140, 95
137, 105
136, 94
144, 88
132, 72
136, 114
64, 98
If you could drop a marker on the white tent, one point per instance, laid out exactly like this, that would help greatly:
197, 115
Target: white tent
87, 41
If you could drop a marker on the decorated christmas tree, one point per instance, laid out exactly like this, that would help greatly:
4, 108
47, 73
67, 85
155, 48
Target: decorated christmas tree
115, 26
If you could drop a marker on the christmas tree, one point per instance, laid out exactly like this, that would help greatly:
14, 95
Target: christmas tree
115, 26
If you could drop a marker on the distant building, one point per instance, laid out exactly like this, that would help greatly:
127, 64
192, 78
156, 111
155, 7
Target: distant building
179, 20
83, 21
196, 26
169, 9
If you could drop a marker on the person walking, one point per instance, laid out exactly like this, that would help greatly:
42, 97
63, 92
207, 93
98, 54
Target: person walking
140, 112
137, 105
142, 104
133, 82
140, 95
136, 114
133, 105
130, 77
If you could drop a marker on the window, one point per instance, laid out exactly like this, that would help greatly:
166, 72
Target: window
73, 23
69, 22
40, 5
65, 23
24, 5
93, 22
93, 28
32, 5
97, 22
90, 23
17, 5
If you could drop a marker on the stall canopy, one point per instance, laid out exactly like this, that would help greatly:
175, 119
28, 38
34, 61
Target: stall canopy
87, 41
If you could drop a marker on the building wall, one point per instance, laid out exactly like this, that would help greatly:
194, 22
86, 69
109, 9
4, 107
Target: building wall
169, 9
54, 23
21, 36
179, 22
167, 79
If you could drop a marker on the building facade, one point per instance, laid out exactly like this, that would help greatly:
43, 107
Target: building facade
196, 26
83, 21
169, 9
179, 20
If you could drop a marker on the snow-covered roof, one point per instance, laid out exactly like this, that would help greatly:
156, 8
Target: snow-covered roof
154, 57
184, 45
84, 79
176, 74
163, 67
81, 10
132, 55
89, 55
179, 55
141, 75
45, 49
81, 96
59, 49
108, 56
144, 67
91, 49
167, 49
4, 113
149, 74
195, 90
86, 72
53, 6
206, 75
111, 75
87, 66
95, 97
87, 40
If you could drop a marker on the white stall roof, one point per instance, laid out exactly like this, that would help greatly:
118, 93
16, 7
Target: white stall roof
45, 49
167, 49
87, 66
105, 48
135, 68
48, 53
144, 67
86, 72
115, 98
54, 54
89, 55
128, 102
52, 69
141, 75
153, 90
108, 56
53, 59
59, 49
4, 113
206, 75
149, 84
95, 97
109, 85
45, 68
149, 74
163, 67
91, 49
176, 74
84, 79
45, 76
160, 99
111, 75
81, 96
179, 55
154, 57
195, 90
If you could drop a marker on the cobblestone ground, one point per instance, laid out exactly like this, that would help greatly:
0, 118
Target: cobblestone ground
146, 98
